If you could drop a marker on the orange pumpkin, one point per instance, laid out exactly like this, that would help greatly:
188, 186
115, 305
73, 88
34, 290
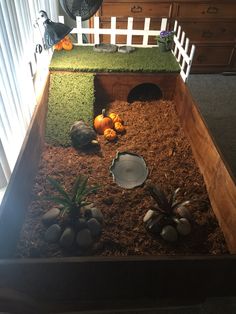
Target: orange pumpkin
67, 44
102, 122
115, 117
110, 134
119, 127
58, 46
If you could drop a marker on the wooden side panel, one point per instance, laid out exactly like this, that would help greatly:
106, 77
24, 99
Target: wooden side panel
111, 283
18, 194
218, 178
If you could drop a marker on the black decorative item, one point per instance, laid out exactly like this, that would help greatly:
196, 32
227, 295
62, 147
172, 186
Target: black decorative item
83, 8
129, 170
54, 32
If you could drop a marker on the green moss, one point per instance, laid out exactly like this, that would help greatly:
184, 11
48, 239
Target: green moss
71, 97
141, 60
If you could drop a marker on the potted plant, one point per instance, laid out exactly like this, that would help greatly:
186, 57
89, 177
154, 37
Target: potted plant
165, 40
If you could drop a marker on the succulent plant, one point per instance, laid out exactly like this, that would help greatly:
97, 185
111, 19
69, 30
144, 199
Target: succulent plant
72, 202
169, 216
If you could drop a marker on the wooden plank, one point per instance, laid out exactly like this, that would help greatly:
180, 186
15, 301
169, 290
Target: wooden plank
219, 180
17, 196
99, 283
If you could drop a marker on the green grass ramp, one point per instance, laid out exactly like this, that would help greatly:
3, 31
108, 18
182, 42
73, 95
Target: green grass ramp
71, 98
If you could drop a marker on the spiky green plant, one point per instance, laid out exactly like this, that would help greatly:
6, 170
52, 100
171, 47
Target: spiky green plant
165, 211
72, 202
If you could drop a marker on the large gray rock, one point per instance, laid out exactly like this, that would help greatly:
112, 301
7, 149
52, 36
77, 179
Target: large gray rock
84, 239
67, 237
53, 233
51, 216
95, 227
105, 48
125, 49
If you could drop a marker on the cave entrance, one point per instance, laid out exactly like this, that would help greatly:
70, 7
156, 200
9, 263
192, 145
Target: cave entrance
145, 92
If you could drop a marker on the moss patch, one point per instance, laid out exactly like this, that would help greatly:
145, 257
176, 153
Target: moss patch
71, 97
141, 60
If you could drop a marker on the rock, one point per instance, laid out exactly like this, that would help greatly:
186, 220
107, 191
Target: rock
67, 237
53, 233
95, 227
183, 226
51, 216
169, 233
82, 224
97, 214
125, 49
184, 212
148, 215
105, 48
84, 239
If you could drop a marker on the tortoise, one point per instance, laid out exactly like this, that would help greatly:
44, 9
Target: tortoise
82, 135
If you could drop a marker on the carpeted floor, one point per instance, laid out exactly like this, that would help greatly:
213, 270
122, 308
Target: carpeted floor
216, 97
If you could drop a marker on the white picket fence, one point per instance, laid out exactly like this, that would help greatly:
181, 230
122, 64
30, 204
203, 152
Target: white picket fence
181, 49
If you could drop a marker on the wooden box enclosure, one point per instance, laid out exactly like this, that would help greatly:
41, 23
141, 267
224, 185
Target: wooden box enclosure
87, 283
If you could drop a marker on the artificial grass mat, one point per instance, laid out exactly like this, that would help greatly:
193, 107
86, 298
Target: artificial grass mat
71, 98
84, 59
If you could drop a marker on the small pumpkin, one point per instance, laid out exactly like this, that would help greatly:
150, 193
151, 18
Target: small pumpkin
115, 117
102, 122
110, 134
119, 127
58, 46
67, 44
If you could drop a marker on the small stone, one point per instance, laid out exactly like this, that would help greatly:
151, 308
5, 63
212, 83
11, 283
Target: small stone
105, 48
183, 226
169, 233
84, 239
95, 227
126, 49
67, 237
97, 214
53, 233
82, 224
51, 216
184, 212
148, 215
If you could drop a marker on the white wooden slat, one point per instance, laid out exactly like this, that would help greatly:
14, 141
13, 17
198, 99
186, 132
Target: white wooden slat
96, 31
163, 24
186, 50
79, 32
130, 31
190, 63
181, 43
113, 30
146, 29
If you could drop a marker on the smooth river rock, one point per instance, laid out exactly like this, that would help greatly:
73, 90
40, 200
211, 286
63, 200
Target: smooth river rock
53, 233
51, 216
67, 237
84, 239
95, 227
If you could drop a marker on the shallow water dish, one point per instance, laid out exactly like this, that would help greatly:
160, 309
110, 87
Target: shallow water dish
129, 170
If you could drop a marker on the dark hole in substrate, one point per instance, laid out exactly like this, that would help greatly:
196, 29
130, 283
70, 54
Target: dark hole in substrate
145, 92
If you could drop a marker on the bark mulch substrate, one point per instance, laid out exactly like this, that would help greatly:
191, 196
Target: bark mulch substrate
152, 131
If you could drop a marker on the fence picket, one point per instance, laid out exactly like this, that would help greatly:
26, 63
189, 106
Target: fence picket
146, 29
129, 34
113, 30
